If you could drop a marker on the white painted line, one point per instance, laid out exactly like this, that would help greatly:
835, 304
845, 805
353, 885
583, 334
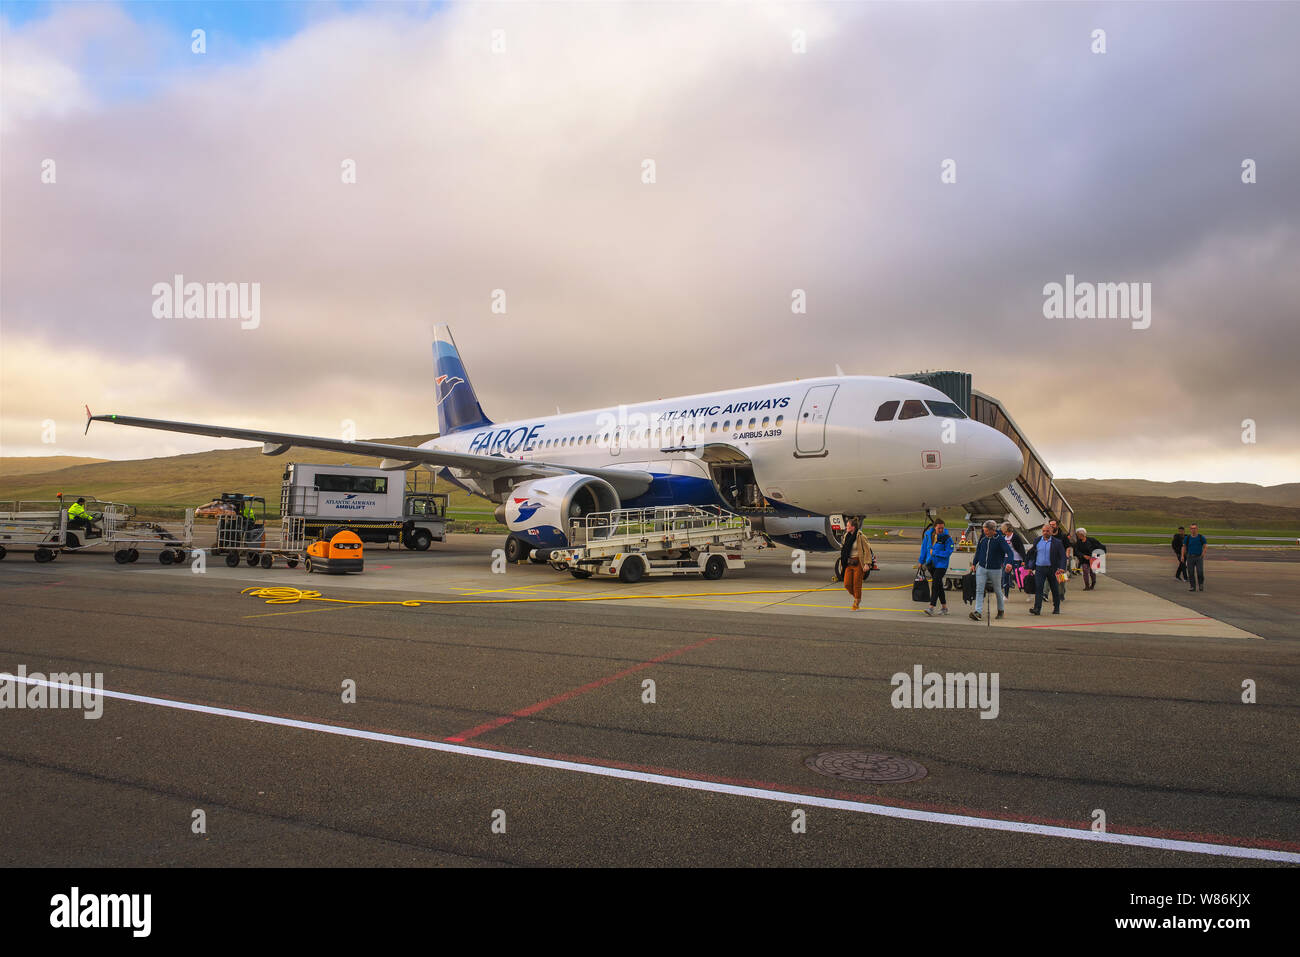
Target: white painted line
762, 794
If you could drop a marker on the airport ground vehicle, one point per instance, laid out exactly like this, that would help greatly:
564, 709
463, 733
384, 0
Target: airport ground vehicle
44, 525
631, 544
377, 505
241, 523
24, 528
341, 552
244, 534
252, 545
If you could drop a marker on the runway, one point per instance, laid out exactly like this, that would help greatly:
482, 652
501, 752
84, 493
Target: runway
535, 715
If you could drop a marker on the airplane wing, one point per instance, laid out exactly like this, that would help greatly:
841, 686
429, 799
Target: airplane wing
629, 483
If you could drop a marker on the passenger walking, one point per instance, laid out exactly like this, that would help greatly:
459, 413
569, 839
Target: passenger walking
1049, 558
1018, 559
1086, 548
1177, 545
1060, 536
855, 555
936, 548
993, 557
1194, 558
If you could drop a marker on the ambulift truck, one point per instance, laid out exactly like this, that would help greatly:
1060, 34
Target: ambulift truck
376, 504
631, 544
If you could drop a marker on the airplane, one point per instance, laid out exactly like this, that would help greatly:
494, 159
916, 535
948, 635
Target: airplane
788, 455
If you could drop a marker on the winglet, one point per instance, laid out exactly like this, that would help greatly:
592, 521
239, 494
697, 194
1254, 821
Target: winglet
89, 418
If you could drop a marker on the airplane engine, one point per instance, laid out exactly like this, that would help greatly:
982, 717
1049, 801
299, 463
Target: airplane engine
811, 533
538, 512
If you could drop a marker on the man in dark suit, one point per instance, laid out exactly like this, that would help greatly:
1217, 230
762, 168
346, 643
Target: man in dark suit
1048, 557
1177, 545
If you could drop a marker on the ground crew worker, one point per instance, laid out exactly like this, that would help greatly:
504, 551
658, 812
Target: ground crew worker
250, 518
79, 516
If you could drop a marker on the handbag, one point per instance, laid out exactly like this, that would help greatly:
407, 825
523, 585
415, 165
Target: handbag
920, 589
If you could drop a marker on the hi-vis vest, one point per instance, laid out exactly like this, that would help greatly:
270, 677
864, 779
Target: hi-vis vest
77, 510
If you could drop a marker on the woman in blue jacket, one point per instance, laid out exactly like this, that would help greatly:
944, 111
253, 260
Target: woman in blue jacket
936, 547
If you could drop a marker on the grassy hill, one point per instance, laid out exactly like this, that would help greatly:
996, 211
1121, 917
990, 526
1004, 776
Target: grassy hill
1286, 496
37, 464
164, 487
1151, 511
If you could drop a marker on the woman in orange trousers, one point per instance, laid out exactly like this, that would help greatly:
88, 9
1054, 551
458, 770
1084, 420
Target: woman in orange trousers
856, 556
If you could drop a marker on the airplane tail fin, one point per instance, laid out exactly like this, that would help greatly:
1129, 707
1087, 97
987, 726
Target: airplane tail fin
458, 407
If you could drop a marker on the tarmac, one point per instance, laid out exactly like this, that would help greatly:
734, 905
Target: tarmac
493, 728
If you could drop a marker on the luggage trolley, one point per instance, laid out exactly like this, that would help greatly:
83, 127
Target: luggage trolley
125, 537
675, 540
239, 540
31, 525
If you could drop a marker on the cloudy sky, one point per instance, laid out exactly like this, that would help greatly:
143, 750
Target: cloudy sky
514, 161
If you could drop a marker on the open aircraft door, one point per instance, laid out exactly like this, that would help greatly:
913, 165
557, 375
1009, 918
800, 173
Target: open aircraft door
810, 429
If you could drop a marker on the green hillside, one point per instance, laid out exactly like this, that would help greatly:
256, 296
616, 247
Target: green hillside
165, 487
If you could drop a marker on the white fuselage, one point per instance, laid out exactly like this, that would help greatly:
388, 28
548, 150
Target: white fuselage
814, 444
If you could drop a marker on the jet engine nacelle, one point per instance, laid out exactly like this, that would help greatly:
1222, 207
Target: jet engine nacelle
811, 533
539, 511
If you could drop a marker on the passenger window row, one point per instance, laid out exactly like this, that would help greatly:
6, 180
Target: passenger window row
675, 433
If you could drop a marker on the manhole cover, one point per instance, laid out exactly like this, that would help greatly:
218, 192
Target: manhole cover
864, 766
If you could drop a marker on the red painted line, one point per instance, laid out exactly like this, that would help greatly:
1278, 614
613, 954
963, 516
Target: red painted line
1138, 621
532, 709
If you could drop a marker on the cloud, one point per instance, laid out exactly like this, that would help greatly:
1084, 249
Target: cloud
521, 171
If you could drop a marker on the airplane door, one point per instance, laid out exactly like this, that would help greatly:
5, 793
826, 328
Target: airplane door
616, 440
810, 429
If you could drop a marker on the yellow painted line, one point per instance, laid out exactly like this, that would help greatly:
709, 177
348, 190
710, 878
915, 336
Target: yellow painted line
305, 611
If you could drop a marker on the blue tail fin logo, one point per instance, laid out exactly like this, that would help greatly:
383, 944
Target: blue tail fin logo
458, 407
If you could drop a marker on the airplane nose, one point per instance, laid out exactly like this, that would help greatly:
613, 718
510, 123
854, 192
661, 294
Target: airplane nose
1006, 459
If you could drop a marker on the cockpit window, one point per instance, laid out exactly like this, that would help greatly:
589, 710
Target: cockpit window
949, 410
886, 411
912, 409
